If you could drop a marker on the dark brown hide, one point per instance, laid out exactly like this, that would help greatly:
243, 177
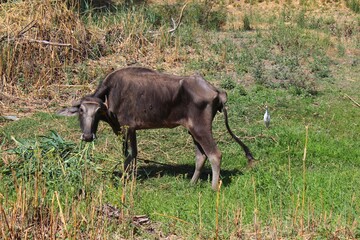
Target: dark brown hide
144, 99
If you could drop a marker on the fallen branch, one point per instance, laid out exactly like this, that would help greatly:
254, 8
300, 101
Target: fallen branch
357, 104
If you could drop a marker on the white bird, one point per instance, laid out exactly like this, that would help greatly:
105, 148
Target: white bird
267, 117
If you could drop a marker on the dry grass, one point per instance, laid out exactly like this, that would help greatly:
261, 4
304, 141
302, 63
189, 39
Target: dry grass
39, 39
260, 9
28, 217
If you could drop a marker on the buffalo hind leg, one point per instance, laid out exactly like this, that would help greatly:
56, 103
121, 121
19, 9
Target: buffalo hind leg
129, 137
207, 142
200, 158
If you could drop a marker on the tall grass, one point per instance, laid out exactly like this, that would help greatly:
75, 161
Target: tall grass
39, 39
52, 191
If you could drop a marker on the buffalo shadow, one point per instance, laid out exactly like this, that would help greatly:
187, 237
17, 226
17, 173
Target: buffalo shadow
147, 169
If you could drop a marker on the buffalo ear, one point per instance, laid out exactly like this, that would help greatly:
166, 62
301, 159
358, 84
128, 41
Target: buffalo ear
70, 111
223, 97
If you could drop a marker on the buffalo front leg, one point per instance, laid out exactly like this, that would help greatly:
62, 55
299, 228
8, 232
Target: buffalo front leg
129, 137
200, 158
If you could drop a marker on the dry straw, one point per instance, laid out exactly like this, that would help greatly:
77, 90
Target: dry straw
38, 40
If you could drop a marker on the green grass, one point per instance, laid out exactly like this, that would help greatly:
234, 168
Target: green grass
354, 5
51, 183
273, 191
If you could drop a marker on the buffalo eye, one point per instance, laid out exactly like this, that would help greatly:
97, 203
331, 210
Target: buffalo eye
81, 110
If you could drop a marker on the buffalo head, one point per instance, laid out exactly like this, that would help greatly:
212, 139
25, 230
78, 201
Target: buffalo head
90, 111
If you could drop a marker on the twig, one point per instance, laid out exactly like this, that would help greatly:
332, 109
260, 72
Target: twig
70, 86
175, 25
19, 36
179, 21
151, 161
21, 32
4, 95
357, 104
53, 44
44, 42
26, 28
50, 43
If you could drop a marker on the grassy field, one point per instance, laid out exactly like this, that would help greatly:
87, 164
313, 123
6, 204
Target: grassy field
301, 58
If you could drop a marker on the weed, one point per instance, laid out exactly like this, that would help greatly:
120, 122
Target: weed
301, 20
227, 83
259, 74
319, 66
51, 169
244, 61
246, 23
341, 50
239, 89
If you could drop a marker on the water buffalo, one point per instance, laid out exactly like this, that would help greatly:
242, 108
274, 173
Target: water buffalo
135, 98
